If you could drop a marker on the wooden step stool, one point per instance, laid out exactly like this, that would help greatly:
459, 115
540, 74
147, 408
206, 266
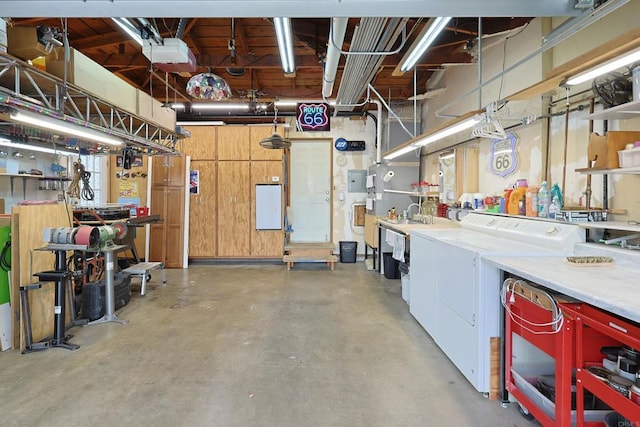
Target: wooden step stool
142, 270
309, 252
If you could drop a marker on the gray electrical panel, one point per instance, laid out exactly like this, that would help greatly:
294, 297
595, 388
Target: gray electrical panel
357, 179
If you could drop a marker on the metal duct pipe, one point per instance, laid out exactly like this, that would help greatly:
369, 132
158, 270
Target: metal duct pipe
372, 35
336, 38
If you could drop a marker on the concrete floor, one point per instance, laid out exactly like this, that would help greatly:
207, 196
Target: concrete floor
250, 345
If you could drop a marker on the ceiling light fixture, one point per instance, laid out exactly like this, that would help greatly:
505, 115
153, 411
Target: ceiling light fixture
424, 41
285, 44
295, 102
67, 128
604, 68
128, 27
427, 139
208, 86
38, 148
219, 106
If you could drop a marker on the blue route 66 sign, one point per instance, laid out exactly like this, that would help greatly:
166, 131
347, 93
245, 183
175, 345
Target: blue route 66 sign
504, 158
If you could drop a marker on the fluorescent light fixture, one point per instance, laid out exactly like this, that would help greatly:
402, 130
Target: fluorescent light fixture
203, 123
448, 131
177, 106
219, 106
427, 38
295, 102
70, 129
285, 44
129, 28
605, 67
30, 147
436, 136
400, 152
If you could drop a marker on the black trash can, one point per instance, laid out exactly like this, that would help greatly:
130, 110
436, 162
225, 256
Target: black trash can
391, 266
348, 251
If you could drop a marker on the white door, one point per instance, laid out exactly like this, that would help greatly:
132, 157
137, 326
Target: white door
310, 184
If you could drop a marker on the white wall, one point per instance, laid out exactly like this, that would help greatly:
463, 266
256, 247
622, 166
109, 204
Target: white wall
350, 129
531, 151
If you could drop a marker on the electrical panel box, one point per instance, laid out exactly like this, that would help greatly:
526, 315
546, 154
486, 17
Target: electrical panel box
357, 179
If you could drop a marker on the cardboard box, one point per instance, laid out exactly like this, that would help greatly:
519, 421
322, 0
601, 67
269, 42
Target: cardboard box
603, 150
92, 77
22, 42
152, 110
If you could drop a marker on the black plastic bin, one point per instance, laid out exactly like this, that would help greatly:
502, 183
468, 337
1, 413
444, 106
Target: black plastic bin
348, 251
391, 266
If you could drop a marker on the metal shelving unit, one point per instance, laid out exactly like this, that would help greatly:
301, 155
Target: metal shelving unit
27, 88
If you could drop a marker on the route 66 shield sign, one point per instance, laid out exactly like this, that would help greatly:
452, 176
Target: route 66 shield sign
504, 159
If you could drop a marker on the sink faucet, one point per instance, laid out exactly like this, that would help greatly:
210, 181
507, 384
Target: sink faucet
411, 205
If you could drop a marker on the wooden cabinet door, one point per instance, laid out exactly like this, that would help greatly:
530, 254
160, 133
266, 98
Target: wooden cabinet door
157, 231
168, 170
257, 151
265, 243
233, 142
174, 227
202, 212
202, 143
233, 209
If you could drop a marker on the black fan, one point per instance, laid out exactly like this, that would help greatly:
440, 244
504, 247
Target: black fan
275, 141
613, 89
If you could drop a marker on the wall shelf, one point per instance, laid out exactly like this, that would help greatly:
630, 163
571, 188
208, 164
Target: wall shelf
591, 171
619, 112
610, 225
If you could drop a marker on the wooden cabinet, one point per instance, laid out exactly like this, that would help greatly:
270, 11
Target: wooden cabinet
202, 212
166, 238
234, 208
257, 151
202, 143
168, 171
233, 142
265, 243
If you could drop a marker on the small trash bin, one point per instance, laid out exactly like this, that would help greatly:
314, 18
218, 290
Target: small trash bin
404, 278
391, 266
348, 251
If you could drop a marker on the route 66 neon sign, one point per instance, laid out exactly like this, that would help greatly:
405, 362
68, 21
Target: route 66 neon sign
504, 158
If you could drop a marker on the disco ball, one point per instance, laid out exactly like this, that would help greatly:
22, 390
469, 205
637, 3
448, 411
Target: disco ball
208, 86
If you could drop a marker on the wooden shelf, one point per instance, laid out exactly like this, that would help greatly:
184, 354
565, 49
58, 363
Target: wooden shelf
592, 171
619, 112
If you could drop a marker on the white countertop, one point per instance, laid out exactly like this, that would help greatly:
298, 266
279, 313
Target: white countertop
614, 288
438, 223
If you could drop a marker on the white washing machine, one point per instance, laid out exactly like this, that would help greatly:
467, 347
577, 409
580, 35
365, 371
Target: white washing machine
455, 296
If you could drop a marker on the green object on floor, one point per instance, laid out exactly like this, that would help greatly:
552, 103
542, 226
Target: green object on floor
5, 261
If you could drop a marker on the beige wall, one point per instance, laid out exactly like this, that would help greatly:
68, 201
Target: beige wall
531, 145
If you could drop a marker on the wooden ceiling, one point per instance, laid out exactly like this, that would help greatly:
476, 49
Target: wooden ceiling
256, 55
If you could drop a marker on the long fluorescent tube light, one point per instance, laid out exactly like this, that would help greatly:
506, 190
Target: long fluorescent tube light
129, 28
428, 139
66, 128
30, 147
295, 102
219, 106
427, 39
605, 67
203, 123
285, 43
448, 131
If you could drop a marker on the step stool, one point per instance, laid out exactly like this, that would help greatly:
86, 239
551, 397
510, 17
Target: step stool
142, 270
309, 252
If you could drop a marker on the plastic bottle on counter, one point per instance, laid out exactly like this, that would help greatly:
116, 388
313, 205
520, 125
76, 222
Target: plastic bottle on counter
555, 191
554, 207
531, 201
543, 200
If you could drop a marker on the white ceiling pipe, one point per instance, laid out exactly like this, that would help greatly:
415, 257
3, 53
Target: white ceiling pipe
336, 38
